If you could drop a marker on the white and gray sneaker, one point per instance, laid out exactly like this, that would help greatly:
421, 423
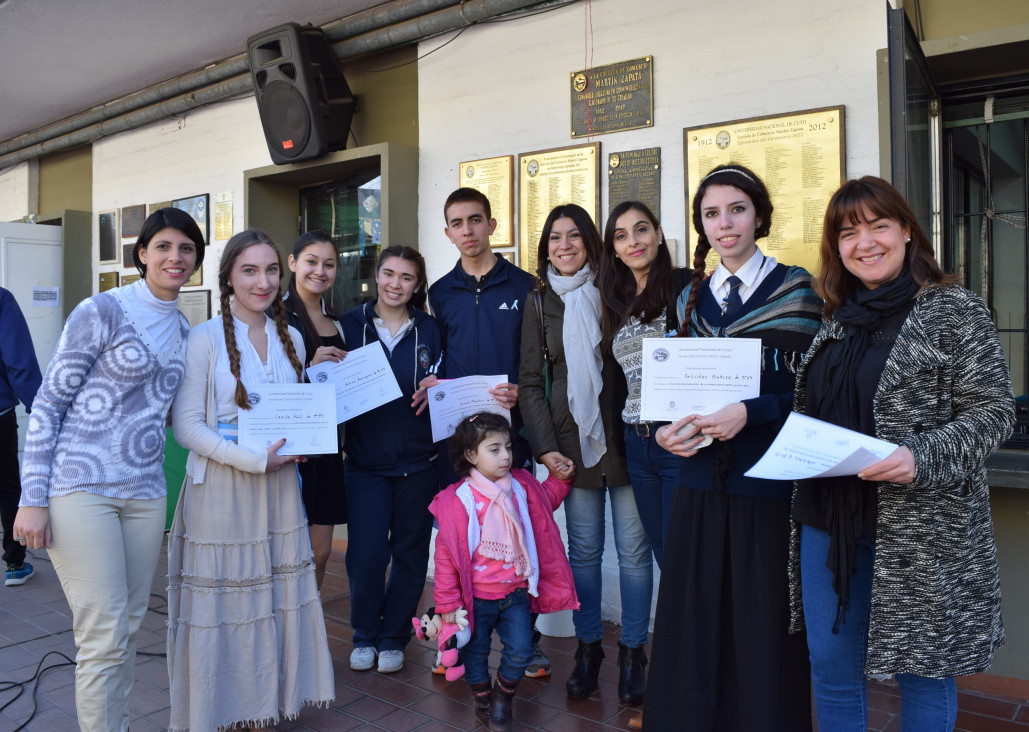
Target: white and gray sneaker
363, 658
390, 661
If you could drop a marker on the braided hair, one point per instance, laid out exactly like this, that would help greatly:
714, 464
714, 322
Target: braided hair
744, 179
235, 247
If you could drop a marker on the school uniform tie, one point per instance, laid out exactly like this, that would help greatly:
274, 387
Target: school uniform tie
732, 302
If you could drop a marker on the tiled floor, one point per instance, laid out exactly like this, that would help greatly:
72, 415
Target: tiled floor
34, 620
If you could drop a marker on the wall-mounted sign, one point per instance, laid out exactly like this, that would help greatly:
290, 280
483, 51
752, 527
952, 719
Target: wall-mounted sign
612, 98
107, 281
195, 305
549, 178
494, 178
800, 156
634, 175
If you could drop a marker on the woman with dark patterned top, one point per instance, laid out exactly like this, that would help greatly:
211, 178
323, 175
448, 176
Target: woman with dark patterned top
897, 566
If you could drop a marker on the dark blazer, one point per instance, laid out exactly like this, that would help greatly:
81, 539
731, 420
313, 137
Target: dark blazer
550, 427
945, 393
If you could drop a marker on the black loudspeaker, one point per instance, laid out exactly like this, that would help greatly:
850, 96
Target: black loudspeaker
305, 104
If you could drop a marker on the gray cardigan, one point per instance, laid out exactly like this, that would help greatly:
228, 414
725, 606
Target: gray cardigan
550, 427
945, 393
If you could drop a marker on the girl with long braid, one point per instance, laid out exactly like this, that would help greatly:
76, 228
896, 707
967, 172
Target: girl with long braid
725, 660
246, 636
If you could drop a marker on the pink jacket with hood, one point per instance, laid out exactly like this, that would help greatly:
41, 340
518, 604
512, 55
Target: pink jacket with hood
550, 585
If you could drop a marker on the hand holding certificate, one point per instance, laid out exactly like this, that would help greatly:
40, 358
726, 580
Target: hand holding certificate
363, 381
683, 376
304, 414
452, 400
810, 448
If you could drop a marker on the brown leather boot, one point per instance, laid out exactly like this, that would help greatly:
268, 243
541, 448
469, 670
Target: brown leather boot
636, 722
500, 704
482, 692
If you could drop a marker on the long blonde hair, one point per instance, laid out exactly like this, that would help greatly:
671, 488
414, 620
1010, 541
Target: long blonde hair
236, 246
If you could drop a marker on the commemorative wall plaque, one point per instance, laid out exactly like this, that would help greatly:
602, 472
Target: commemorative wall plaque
494, 178
612, 98
635, 175
549, 178
801, 157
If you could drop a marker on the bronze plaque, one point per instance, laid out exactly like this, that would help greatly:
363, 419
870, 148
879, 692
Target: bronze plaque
494, 178
108, 281
130, 278
549, 178
634, 175
800, 156
613, 98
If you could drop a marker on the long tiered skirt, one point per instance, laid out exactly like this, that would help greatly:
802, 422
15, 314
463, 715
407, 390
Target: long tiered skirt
246, 636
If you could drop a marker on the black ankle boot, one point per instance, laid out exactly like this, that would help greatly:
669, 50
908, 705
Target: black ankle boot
632, 679
481, 691
500, 704
583, 680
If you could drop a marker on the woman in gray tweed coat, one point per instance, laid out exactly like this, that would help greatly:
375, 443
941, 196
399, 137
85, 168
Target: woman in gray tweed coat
894, 571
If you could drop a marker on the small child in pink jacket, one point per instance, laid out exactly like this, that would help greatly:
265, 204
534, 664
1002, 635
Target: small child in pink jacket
499, 555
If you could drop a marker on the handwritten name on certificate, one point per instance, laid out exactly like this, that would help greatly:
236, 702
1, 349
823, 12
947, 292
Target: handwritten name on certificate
363, 381
305, 414
452, 400
683, 376
810, 448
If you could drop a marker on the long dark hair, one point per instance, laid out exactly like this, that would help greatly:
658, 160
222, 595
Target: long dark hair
617, 283
587, 230
421, 291
236, 246
746, 180
293, 303
168, 218
847, 205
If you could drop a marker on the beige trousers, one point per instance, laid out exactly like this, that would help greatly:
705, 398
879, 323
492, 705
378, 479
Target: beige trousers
105, 551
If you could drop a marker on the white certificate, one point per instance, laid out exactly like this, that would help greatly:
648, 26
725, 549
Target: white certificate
810, 448
452, 400
683, 376
363, 381
305, 414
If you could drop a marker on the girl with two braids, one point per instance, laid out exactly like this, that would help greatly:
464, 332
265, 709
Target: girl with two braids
726, 661
246, 636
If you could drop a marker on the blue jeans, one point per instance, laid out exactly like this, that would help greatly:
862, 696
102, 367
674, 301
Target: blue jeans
838, 678
584, 514
510, 618
655, 475
389, 524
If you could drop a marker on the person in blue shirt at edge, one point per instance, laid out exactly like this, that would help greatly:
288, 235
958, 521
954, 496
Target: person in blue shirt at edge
479, 306
390, 466
19, 381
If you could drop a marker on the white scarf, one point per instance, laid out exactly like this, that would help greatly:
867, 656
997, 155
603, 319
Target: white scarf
581, 342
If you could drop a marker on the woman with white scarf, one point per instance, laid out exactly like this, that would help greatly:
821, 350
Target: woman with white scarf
567, 394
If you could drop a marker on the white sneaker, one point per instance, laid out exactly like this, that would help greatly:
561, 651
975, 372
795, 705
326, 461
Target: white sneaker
390, 661
362, 658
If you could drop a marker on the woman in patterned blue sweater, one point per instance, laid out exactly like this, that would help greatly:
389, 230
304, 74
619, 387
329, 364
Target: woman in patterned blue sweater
93, 490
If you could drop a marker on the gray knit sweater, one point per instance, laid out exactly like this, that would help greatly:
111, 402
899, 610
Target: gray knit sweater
945, 393
98, 421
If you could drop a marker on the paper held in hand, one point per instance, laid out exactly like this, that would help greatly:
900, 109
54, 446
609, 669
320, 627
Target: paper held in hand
683, 376
452, 400
363, 381
305, 414
810, 448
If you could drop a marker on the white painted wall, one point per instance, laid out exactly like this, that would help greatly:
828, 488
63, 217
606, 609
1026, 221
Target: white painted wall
205, 151
502, 89
18, 191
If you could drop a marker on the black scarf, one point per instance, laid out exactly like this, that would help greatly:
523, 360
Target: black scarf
863, 313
